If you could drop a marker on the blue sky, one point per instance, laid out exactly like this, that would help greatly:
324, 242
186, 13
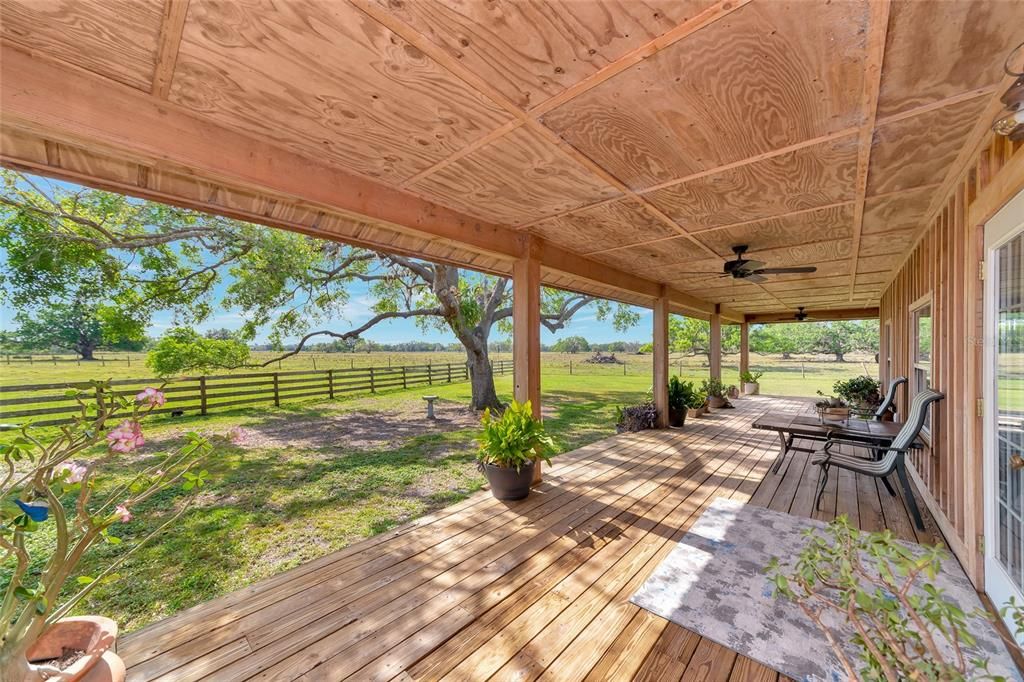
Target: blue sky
357, 311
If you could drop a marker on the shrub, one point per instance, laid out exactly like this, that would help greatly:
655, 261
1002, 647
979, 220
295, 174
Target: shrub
513, 439
861, 391
713, 388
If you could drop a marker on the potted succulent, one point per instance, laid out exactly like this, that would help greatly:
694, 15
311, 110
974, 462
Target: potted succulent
750, 382
52, 492
732, 392
635, 417
714, 389
862, 393
681, 394
510, 444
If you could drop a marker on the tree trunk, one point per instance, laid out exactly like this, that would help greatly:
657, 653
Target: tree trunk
86, 350
840, 356
786, 356
482, 381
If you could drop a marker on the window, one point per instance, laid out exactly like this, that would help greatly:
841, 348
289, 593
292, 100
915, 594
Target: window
921, 318
887, 349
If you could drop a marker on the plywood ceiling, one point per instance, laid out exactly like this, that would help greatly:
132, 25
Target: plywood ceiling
651, 135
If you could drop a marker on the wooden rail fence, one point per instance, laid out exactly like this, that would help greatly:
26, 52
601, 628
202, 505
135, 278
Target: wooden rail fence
204, 394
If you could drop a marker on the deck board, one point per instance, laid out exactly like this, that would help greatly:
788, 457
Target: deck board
536, 589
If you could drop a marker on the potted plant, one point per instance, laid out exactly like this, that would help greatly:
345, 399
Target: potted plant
635, 418
52, 492
509, 447
861, 393
907, 629
680, 396
831, 408
750, 381
733, 392
714, 389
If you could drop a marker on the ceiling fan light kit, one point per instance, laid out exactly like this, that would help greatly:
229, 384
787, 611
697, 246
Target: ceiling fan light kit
1011, 121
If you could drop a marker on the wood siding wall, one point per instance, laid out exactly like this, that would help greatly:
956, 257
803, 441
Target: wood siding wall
944, 265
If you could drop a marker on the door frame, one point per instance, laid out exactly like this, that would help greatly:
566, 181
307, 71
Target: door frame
999, 230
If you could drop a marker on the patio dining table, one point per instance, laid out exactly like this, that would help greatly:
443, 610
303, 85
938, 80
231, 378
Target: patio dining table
793, 426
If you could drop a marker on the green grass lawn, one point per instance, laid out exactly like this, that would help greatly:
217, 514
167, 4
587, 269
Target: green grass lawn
316, 477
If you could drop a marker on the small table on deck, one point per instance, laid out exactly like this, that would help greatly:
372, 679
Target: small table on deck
791, 426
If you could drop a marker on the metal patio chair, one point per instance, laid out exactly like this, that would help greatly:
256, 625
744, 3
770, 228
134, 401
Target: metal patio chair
890, 397
893, 459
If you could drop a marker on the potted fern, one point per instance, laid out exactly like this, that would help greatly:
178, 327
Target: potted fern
54, 507
681, 394
750, 382
510, 444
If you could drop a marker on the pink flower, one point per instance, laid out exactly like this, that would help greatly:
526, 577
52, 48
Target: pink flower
126, 437
150, 396
75, 472
122, 512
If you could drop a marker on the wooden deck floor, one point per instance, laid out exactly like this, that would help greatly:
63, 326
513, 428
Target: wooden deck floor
527, 590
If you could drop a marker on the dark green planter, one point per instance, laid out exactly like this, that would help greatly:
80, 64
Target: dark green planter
676, 417
509, 484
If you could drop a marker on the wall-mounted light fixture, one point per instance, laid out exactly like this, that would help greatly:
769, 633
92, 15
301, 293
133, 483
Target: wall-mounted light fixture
1011, 121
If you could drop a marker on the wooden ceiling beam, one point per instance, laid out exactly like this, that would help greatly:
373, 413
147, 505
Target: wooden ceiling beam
171, 29
878, 27
75, 107
825, 315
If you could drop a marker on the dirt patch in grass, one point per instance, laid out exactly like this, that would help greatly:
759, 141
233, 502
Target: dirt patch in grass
359, 430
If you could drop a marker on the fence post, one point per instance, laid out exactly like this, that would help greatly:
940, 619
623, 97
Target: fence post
405, 384
128, 357
570, 367
202, 395
373, 388
430, 373
330, 383
449, 372
54, 360
277, 392
314, 363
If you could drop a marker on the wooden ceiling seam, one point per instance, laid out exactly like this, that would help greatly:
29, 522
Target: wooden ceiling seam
172, 27
460, 71
877, 29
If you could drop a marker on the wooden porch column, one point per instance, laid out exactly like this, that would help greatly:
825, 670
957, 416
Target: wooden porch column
744, 347
661, 358
716, 345
526, 330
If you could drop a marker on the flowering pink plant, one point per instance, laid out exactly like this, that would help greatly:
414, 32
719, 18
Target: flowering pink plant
50, 483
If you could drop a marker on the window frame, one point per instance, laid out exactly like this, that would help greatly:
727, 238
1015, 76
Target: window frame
916, 364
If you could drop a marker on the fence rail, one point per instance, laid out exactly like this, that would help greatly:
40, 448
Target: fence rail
204, 394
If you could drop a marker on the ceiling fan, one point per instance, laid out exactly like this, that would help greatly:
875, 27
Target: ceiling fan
755, 271
801, 315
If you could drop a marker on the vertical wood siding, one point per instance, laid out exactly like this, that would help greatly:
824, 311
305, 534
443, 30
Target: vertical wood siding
945, 265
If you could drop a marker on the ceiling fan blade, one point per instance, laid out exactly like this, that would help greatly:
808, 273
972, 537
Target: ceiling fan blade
755, 278
785, 271
753, 265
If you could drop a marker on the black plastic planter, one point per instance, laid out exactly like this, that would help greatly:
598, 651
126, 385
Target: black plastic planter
676, 417
509, 484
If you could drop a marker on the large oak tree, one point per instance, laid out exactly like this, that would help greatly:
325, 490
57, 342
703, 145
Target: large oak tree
149, 256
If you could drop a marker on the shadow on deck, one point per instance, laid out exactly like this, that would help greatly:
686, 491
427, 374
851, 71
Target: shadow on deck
524, 590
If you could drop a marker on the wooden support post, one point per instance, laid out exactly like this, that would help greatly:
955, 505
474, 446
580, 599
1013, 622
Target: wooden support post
202, 395
744, 347
716, 346
661, 358
526, 330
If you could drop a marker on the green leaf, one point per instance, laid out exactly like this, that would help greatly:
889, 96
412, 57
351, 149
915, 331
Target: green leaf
84, 580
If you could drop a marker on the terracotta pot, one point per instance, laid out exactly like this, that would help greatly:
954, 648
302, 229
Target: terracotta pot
751, 388
95, 635
507, 483
694, 412
715, 402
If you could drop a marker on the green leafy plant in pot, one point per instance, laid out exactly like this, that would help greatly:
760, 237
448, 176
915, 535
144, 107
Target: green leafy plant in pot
750, 381
862, 393
681, 396
509, 445
714, 389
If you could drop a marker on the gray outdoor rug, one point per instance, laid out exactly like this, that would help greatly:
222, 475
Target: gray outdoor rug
713, 584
